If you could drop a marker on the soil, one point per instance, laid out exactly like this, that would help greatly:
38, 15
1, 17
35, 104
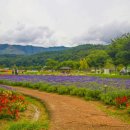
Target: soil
72, 113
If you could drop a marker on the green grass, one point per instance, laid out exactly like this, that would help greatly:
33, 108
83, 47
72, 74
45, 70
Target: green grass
115, 112
26, 126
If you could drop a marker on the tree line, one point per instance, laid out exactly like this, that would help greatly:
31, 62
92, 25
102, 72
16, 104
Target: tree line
114, 55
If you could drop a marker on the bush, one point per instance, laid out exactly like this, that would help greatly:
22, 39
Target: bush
109, 98
74, 91
16, 83
37, 85
51, 89
63, 90
44, 87
94, 94
27, 84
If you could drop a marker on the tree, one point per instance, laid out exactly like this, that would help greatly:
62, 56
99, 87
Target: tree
51, 64
119, 50
109, 64
97, 59
83, 64
69, 63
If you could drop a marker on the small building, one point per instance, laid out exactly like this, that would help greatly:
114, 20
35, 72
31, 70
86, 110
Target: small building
65, 70
106, 71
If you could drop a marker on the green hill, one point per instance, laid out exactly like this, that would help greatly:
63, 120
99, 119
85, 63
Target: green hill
73, 53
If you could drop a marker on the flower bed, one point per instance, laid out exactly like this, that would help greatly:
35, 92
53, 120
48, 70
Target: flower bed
11, 104
79, 81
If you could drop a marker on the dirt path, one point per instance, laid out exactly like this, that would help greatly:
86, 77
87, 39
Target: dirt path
70, 113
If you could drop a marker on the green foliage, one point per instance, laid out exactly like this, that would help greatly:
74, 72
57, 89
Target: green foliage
63, 90
109, 98
44, 86
39, 60
51, 89
119, 50
69, 63
83, 64
93, 94
78, 92
97, 58
37, 85
51, 64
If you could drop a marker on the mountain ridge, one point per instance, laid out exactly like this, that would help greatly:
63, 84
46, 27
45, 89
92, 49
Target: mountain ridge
26, 50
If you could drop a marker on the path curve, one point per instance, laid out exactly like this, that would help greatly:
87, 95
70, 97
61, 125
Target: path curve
71, 113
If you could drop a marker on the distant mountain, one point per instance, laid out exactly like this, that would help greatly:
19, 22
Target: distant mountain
26, 50
57, 53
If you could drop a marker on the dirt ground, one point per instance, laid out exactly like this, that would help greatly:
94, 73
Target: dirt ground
71, 113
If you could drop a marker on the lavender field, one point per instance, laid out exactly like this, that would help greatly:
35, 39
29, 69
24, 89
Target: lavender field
79, 81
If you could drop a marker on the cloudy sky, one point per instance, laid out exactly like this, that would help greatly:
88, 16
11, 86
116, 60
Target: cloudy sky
62, 22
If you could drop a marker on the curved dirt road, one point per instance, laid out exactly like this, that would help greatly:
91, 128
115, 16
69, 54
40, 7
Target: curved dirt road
71, 113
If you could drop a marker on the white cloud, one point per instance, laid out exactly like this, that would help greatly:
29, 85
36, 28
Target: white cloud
69, 19
27, 35
103, 34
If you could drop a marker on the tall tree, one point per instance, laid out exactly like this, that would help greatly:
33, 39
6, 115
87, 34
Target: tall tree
119, 50
83, 64
51, 64
97, 58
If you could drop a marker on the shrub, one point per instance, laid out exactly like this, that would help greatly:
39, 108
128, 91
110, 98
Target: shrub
51, 89
63, 90
108, 98
80, 92
92, 94
27, 84
44, 87
16, 83
74, 91
37, 85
